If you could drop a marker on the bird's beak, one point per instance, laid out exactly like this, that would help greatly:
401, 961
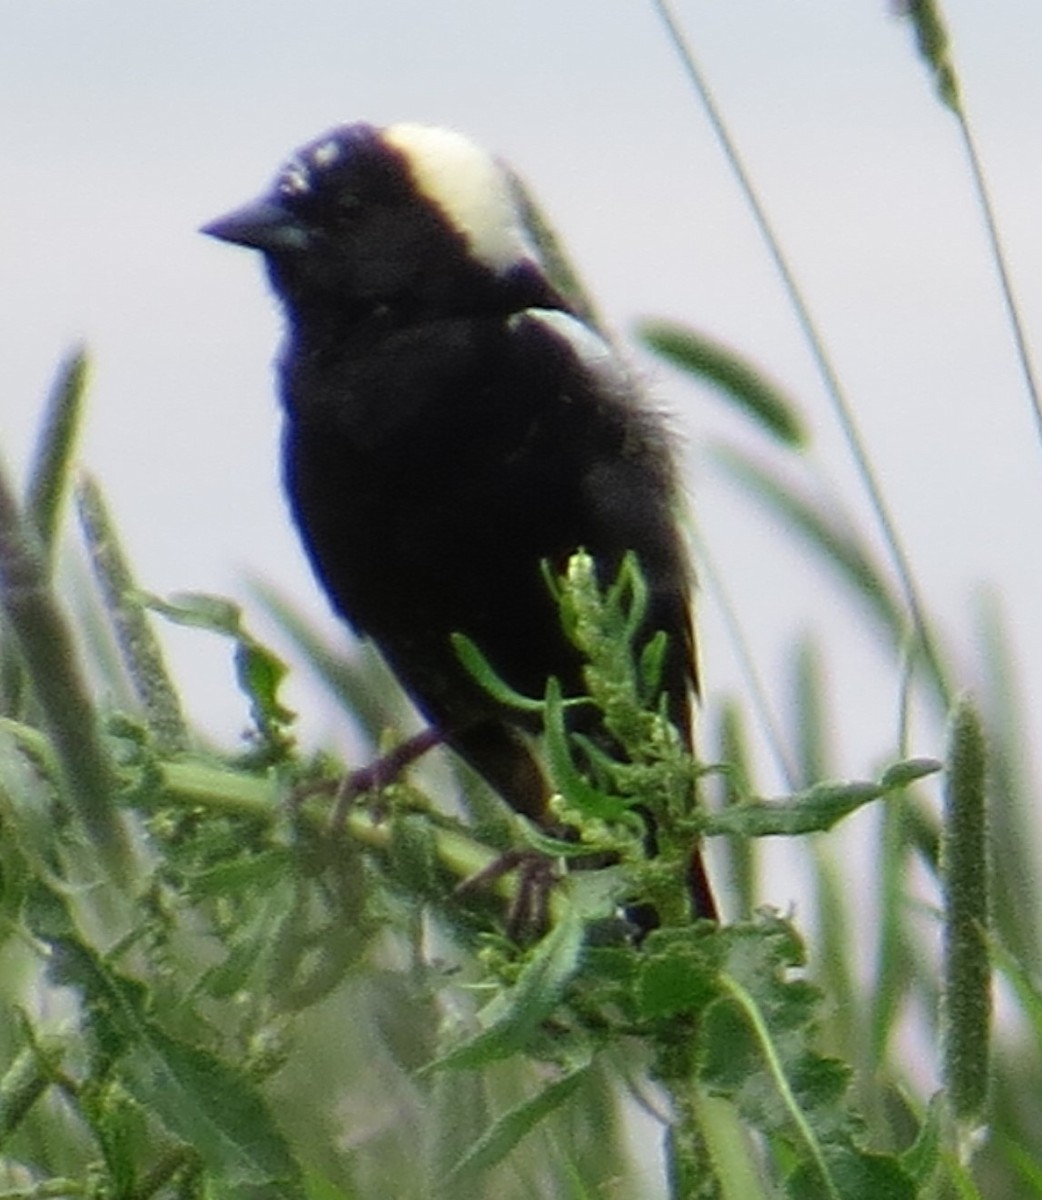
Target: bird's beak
262, 225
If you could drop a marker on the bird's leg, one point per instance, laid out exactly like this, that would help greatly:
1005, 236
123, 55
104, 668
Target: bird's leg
380, 772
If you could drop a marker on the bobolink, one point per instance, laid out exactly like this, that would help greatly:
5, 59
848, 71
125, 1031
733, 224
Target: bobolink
451, 425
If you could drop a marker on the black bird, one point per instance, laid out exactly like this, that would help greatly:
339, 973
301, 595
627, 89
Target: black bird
450, 424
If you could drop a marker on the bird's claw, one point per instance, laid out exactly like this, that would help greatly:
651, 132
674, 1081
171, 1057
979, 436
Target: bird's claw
528, 916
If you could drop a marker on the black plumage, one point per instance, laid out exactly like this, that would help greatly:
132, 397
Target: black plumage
449, 425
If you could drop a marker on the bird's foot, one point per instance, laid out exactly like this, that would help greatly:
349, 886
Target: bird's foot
528, 916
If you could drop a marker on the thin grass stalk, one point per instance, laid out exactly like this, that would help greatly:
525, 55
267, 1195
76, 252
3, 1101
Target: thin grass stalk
935, 48
891, 953
1023, 350
835, 930
758, 691
841, 407
732, 747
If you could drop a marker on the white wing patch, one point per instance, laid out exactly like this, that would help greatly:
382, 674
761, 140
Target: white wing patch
595, 354
469, 187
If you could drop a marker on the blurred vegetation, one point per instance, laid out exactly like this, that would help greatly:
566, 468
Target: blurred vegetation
224, 975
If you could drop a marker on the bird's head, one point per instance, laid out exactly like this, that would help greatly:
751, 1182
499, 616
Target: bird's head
409, 217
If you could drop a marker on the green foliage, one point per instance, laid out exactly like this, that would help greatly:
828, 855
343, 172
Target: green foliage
140, 648
190, 983
259, 671
967, 969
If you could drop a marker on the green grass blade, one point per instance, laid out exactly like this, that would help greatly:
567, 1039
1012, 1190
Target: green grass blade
835, 543
503, 1135
732, 747
755, 686
836, 932
362, 686
891, 973
840, 547
842, 408
1017, 888
139, 647
809, 707
513, 1017
51, 467
51, 661
737, 378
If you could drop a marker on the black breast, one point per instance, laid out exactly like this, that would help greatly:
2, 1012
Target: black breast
432, 470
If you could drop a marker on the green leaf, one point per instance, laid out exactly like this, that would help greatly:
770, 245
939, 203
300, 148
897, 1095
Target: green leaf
200, 1099
707, 359
569, 780
26, 1079
814, 810
362, 685
852, 1174
677, 973
649, 667
27, 847
200, 610
414, 855
625, 601
215, 1109
317, 1187
756, 1049
260, 672
479, 667
732, 748
920, 1160
909, 771
553, 255
511, 1019
503, 1135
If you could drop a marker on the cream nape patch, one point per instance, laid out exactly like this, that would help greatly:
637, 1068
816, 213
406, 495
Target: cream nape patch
470, 188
